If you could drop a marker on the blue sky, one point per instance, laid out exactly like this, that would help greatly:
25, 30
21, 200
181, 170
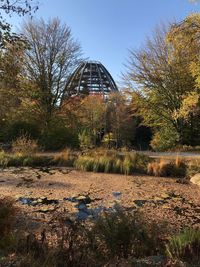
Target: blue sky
106, 29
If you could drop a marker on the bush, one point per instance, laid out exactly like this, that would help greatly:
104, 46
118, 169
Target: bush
18, 128
110, 161
57, 137
165, 139
25, 145
4, 159
85, 140
120, 234
65, 158
7, 214
177, 168
185, 247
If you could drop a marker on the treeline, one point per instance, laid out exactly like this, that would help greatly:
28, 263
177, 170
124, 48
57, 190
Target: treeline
34, 69
159, 109
165, 77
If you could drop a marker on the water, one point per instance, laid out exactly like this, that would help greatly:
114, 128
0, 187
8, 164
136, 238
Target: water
84, 211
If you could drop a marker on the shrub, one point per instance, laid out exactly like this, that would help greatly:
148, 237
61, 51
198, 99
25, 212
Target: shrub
18, 128
57, 137
164, 139
7, 214
4, 159
65, 158
115, 234
120, 234
109, 140
185, 246
85, 140
177, 168
25, 145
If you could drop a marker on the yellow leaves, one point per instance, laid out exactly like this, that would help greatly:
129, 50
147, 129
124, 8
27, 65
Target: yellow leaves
190, 104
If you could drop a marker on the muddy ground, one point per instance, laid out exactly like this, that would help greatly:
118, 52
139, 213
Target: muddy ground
41, 193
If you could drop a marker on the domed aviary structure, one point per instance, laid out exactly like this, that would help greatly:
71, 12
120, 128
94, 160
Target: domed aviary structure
90, 77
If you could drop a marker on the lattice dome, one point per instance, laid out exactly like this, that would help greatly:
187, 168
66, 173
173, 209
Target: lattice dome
91, 77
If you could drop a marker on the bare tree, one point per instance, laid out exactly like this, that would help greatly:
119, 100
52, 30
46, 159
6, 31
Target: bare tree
19, 7
52, 55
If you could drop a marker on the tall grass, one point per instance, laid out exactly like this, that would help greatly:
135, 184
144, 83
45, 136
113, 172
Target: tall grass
185, 246
177, 168
65, 158
112, 162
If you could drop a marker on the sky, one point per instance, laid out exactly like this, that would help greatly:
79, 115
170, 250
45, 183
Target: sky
107, 29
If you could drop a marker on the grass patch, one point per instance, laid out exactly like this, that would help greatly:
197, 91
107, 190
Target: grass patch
18, 159
109, 161
65, 159
185, 246
105, 161
177, 168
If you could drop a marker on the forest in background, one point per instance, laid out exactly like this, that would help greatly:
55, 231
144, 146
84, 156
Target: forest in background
157, 108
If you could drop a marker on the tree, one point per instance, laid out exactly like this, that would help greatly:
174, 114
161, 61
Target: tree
19, 7
186, 36
52, 55
92, 118
160, 75
11, 64
120, 121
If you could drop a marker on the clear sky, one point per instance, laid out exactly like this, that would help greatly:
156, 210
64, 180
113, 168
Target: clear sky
106, 29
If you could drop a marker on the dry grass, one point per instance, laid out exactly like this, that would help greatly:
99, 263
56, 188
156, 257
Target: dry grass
25, 145
177, 168
65, 158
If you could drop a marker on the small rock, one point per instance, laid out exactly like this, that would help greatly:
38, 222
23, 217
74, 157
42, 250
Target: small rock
117, 194
196, 179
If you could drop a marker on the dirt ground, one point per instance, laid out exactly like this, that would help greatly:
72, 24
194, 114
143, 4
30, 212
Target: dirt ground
52, 190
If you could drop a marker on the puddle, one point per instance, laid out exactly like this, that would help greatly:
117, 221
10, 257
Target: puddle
163, 199
84, 211
117, 195
37, 201
82, 205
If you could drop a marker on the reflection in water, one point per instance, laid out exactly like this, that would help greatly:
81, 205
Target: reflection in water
84, 211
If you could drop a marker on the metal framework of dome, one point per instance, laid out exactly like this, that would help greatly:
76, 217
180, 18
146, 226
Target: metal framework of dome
91, 77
